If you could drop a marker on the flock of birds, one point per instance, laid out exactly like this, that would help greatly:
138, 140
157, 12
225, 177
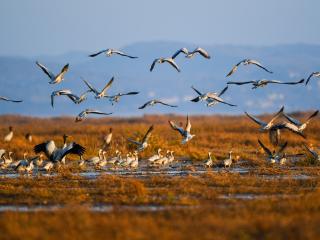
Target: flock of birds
57, 155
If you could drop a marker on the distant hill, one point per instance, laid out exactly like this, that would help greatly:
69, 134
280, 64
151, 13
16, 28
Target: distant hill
20, 78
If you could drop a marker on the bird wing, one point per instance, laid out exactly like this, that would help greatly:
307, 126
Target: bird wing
63, 70
133, 141
90, 111
73, 97
265, 148
188, 124
223, 91
92, 89
240, 83
278, 114
197, 99
175, 127
123, 54
173, 64
310, 150
259, 65
292, 120
214, 96
128, 93
291, 83
107, 86
310, 76
148, 134
144, 105
312, 116
293, 128
96, 54
73, 148
9, 100
203, 52
256, 120
153, 64
197, 91
166, 104
45, 70
181, 50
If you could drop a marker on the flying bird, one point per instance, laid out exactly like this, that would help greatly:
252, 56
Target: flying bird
54, 79
314, 74
211, 98
274, 156
116, 98
164, 60
144, 143
81, 116
98, 94
247, 62
9, 100
200, 51
296, 124
184, 132
264, 82
155, 101
109, 52
78, 99
63, 92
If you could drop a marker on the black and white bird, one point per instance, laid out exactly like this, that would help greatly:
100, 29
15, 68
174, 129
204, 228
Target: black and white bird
82, 115
184, 132
63, 92
314, 74
154, 102
212, 98
164, 60
102, 93
264, 82
109, 52
200, 51
55, 154
9, 100
247, 62
275, 156
116, 98
54, 79
144, 142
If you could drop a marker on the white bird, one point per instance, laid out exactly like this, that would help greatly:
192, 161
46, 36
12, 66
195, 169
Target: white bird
9, 136
54, 78
265, 82
247, 62
211, 98
102, 93
107, 139
164, 60
135, 162
96, 159
181, 50
103, 162
299, 126
55, 154
116, 98
9, 100
115, 159
48, 166
154, 102
170, 157
144, 143
7, 161
184, 132
82, 115
78, 99
63, 92
314, 74
208, 163
228, 161
109, 52
156, 156
273, 157
199, 50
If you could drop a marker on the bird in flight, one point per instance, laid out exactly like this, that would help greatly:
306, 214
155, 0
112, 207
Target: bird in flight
247, 62
200, 51
82, 115
109, 52
144, 143
264, 82
116, 98
184, 132
54, 79
102, 93
164, 60
155, 101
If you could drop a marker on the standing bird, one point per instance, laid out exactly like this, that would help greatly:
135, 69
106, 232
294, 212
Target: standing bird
9, 136
107, 139
155, 101
102, 93
63, 92
247, 62
314, 74
54, 78
82, 115
228, 161
109, 52
9, 100
199, 50
163, 60
116, 98
144, 143
265, 82
28, 137
208, 163
55, 154
184, 132
211, 98
273, 157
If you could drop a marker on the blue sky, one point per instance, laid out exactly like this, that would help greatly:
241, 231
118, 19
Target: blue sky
37, 27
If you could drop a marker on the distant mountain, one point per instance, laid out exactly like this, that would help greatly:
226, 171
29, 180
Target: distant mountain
21, 78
